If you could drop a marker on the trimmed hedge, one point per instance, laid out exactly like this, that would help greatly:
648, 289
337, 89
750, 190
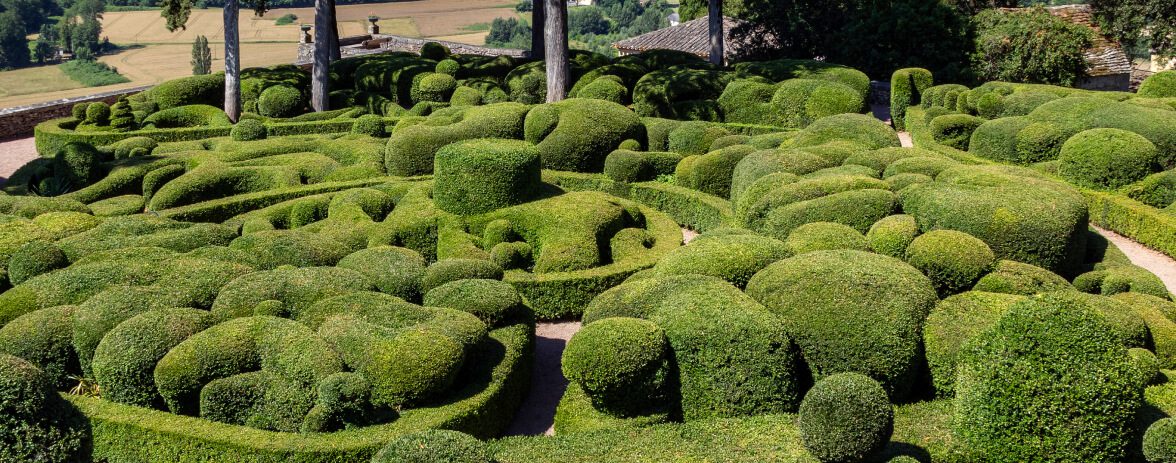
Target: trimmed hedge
281, 101
824, 236
125, 359
1159, 85
1070, 367
35, 423
891, 235
1011, 277
1156, 190
954, 322
955, 130
449, 270
1147, 225
799, 102
630, 166
34, 258
206, 89
906, 89
1157, 314
492, 301
1121, 279
479, 176
851, 311
953, 260
577, 134
1159, 442
44, 338
275, 248
412, 150
845, 417
620, 363
1106, 159
434, 446
732, 257
394, 270
711, 172
865, 130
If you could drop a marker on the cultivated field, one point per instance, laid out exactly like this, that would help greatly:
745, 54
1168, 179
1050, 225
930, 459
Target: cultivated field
154, 54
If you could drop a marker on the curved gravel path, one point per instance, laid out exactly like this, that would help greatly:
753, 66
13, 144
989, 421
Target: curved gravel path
15, 152
1155, 261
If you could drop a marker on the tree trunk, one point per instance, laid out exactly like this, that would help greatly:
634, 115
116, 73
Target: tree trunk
320, 83
538, 25
716, 31
232, 61
335, 53
555, 43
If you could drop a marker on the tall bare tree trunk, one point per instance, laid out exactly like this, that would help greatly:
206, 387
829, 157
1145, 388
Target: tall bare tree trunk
538, 27
716, 31
555, 43
232, 61
320, 83
335, 53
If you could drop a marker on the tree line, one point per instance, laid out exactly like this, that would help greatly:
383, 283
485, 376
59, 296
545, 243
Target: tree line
72, 27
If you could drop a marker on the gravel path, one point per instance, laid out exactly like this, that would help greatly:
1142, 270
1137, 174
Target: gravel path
15, 152
537, 414
905, 138
1155, 261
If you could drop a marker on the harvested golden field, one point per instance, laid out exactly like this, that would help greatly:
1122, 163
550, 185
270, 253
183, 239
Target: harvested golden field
33, 80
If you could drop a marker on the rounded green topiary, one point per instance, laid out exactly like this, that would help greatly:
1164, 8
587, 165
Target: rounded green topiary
513, 255
1011, 277
434, 51
1146, 364
465, 96
867, 131
1048, 364
433, 86
98, 113
35, 423
445, 271
619, 362
370, 125
479, 176
1159, 85
605, 88
434, 446
851, 311
280, 101
248, 130
952, 323
45, 339
127, 148
734, 258
1106, 158
955, 130
126, 357
953, 260
1159, 442
492, 301
1038, 142
891, 235
34, 258
394, 270
1121, 279
448, 66
694, 137
845, 418
78, 111
799, 102
275, 248
823, 236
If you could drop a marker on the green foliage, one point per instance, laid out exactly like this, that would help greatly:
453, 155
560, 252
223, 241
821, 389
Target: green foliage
44, 338
34, 258
205, 89
799, 102
577, 134
1159, 85
631, 166
620, 363
891, 235
187, 116
954, 322
285, 20
92, 73
858, 128
606, 89
274, 248
734, 258
125, 359
394, 270
1010, 277
1121, 279
1159, 442
1030, 46
280, 101
711, 172
248, 130
35, 423
492, 301
449, 270
437, 446
1156, 190
955, 130
824, 236
1106, 158
479, 176
1067, 366
694, 138
97, 113
844, 306
763, 163
906, 89
952, 260
433, 86
845, 417
412, 150
128, 148
434, 51
202, 54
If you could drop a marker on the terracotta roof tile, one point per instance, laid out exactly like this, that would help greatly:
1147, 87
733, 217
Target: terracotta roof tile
691, 36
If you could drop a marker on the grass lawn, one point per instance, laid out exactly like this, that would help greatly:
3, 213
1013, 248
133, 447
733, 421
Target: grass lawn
39, 79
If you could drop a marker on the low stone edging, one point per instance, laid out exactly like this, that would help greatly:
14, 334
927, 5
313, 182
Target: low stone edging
20, 120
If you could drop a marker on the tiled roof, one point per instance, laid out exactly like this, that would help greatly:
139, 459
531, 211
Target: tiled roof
691, 36
1105, 56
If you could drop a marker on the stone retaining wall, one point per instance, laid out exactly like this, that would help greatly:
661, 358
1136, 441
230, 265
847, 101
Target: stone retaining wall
383, 43
20, 120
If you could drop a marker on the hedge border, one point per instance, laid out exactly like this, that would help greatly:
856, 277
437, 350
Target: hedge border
220, 210
1151, 227
690, 208
921, 137
126, 434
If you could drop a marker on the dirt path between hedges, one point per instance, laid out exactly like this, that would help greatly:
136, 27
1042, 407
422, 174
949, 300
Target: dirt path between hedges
1150, 259
15, 152
537, 414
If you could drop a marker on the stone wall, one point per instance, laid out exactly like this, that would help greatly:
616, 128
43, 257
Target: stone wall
384, 43
19, 121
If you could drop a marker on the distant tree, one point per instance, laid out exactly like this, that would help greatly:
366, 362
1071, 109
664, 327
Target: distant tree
509, 33
1139, 22
524, 6
1029, 46
201, 56
14, 47
45, 49
903, 33
587, 20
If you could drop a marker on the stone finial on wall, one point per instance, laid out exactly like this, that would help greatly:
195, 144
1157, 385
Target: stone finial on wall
304, 36
373, 28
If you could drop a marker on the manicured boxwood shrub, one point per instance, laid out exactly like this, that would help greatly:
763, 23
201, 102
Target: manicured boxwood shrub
1159, 85
125, 359
433, 86
275, 248
206, 89
45, 339
394, 270
845, 417
447, 270
630, 166
35, 423
711, 172
1021, 217
280, 101
1011, 277
1068, 367
906, 89
955, 130
851, 311
1121, 279
608, 88
694, 137
1146, 364
732, 257
891, 235
733, 357
865, 130
799, 102
248, 130
436, 446
758, 203
954, 322
466, 96
857, 208
1158, 315
34, 258
479, 176
1159, 442
492, 301
953, 260
824, 236
412, 150
577, 134
765, 162
620, 363
1106, 158
187, 117
1156, 190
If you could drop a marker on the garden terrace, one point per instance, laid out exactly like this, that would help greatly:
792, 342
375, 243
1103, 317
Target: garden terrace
363, 284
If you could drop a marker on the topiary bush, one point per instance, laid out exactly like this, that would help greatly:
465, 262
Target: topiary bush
370, 125
447, 270
248, 130
851, 311
281, 101
45, 338
97, 113
492, 301
479, 176
1106, 159
630, 166
952, 260
433, 86
436, 446
125, 359
1159, 85
35, 258
621, 363
434, 51
36, 424
1159, 442
694, 137
1121, 279
711, 172
1011, 277
204, 89
954, 322
608, 88
275, 248
955, 130
732, 257
824, 236
1048, 363
578, 133
845, 417
891, 235
799, 102
866, 131
906, 89
412, 150
394, 270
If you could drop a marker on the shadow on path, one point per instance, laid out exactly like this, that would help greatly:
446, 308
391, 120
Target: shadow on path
537, 414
